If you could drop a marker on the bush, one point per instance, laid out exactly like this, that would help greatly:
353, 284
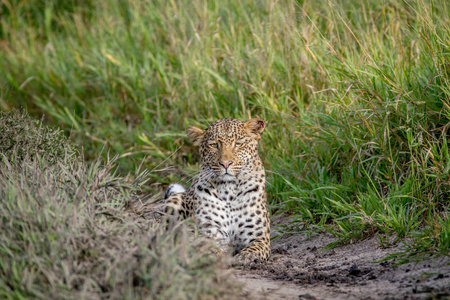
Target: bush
21, 138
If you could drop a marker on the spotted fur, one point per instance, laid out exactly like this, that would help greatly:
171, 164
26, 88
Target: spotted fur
228, 199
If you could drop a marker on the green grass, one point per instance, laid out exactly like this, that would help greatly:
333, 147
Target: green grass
65, 232
356, 95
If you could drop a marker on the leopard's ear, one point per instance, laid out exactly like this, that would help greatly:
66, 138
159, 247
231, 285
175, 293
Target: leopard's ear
255, 128
195, 134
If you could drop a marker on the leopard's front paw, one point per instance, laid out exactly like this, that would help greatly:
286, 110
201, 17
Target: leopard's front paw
245, 259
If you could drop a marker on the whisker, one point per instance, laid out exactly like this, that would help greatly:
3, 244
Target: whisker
164, 169
269, 183
173, 153
190, 176
273, 172
202, 176
193, 174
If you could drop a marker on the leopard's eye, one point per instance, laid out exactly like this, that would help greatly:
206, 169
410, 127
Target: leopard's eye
214, 145
239, 144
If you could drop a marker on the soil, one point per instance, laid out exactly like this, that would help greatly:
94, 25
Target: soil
300, 268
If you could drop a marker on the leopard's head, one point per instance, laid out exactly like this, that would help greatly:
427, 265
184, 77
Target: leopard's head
228, 147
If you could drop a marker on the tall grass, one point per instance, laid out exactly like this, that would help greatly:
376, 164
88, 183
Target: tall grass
356, 95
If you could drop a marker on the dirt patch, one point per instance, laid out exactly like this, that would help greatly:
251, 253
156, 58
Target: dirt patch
300, 269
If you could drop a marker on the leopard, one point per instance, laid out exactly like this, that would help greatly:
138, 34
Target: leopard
228, 198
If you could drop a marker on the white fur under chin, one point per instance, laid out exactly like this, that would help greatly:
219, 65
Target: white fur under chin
227, 177
174, 188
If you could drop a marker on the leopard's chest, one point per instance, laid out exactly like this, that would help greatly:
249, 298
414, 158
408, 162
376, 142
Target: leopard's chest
231, 208
231, 197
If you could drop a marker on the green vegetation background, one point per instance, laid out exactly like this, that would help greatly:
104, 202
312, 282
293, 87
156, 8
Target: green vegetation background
356, 95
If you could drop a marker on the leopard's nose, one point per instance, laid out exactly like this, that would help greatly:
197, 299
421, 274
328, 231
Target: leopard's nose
225, 164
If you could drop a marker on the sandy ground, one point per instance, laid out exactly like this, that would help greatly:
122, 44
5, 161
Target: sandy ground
300, 269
